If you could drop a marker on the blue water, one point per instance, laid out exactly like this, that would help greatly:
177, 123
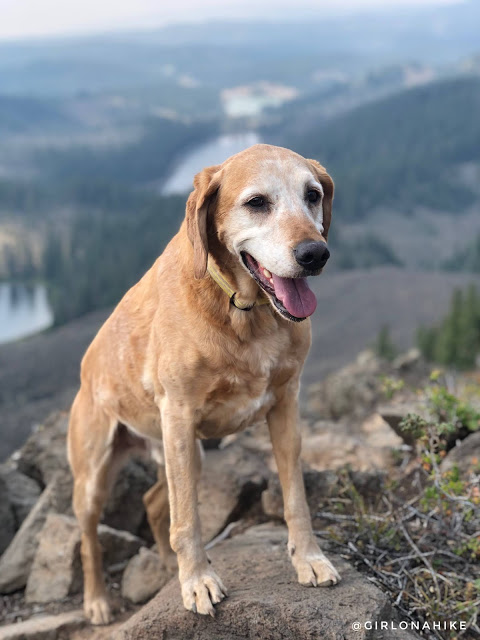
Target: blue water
24, 309
213, 152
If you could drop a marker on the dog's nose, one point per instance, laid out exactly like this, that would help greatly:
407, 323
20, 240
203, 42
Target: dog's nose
311, 255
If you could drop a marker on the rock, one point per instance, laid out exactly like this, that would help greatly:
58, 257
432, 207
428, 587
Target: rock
368, 446
395, 412
16, 561
265, 601
321, 486
408, 360
45, 452
465, 455
118, 546
232, 480
23, 492
56, 571
352, 391
7, 518
125, 509
144, 576
44, 627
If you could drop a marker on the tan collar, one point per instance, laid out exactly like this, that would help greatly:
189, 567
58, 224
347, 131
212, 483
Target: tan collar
231, 293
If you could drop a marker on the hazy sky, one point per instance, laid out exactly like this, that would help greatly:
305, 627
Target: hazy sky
23, 18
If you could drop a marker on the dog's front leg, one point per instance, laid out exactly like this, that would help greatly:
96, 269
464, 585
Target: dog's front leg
312, 566
201, 587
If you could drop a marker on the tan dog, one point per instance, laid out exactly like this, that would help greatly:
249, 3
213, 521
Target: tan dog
179, 360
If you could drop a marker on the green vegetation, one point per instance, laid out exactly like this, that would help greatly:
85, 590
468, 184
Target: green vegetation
102, 226
20, 114
456, 340
42, 200
102, 256
146, 160
398, 152
417, 534
362, 253
451, 418
467, 260
384, 346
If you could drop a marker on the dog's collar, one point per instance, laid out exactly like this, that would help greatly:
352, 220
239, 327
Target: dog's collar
223, 284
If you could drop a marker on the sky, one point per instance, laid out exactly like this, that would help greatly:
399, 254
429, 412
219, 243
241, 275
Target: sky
26, 18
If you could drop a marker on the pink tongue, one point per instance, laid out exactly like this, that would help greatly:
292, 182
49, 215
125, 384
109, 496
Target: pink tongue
296, 296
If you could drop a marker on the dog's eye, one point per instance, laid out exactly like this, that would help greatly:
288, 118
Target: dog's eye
257, 202
313, 195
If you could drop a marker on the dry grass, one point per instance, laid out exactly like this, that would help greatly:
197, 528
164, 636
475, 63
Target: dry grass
419, 542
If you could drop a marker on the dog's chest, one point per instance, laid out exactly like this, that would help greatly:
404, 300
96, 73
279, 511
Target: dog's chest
235, 405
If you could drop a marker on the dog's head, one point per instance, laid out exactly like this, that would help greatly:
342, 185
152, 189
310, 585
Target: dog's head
271, 209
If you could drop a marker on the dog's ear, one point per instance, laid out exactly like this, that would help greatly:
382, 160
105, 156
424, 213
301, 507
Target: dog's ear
328, 189
206, 184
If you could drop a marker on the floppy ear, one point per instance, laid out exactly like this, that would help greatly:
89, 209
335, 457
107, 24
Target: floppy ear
328, 189
206, 184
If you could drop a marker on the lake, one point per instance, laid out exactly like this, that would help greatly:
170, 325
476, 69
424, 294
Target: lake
24, 309
205, 155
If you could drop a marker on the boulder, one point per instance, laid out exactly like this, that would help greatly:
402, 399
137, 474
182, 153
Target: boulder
351, 391
399, 409
57, 627
395, 412
410, 360
7, 518
232, 480
125, 509
23, 492
465, 455
265, 601
365, 446
16, 561
45, 453
144, 576
56, 571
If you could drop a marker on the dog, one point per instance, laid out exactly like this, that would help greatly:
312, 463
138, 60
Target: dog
212, 339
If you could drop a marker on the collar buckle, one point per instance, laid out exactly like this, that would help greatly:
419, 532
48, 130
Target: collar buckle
240, 306
225, 286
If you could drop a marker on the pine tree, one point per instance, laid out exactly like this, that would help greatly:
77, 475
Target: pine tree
456, 341
384, 346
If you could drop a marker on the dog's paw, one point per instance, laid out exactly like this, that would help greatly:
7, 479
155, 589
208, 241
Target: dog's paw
98, 611
315, 570
202, 591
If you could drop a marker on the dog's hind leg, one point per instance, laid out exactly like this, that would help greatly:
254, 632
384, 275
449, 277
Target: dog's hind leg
91, 447
158, 510
158, 514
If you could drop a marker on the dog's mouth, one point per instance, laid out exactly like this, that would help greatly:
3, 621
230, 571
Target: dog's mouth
292, 297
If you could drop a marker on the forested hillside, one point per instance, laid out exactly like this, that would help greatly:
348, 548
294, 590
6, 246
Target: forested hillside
27, 115
467, 259
149, 158
104, 255
399, 152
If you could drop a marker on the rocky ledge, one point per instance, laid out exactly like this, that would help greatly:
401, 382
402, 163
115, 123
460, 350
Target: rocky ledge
265, 601
345, 423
